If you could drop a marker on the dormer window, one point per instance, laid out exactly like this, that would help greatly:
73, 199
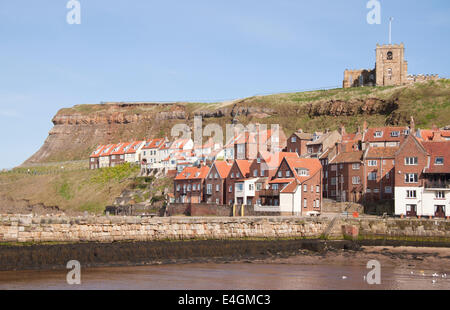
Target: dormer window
395, 133
303, 172
439, 161
378, 134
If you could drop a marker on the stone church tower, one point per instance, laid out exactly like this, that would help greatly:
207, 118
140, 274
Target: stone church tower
391, 67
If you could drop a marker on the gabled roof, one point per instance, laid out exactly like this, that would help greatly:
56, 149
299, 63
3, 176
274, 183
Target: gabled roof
369, 135
133, 147
348, 157
107, 150
429, 134
273, 160
244, 166
303, 135
290, 188
119, 149
312, 164
193, 173
223, 168
381, 152
97, 151
438, 149
154, 144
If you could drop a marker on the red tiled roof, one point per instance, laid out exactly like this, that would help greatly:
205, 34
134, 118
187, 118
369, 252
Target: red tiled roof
290, 188
98, 150
438, 149
244, 166
223, 168
348, 157
132, 148
312, 164
154, 143
108, 149
273, 160
193, 173
119, 149
429, 134
369, 136
381, 152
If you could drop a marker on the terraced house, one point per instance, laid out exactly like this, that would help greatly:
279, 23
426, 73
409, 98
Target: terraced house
422, 178
189, 185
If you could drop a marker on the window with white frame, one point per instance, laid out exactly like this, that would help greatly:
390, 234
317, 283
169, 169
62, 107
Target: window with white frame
388, 190
333, 167
255, 173
305, 203
288, 173
356, 166
317, 189
410, 161
294, 139
439, 161
356, 180
395, 133
280, 174
440, 195
217, 188
230, 189
378, 134
411, 194
178, 187
333, 181
411, 178
305, 187
372, 163
372, 176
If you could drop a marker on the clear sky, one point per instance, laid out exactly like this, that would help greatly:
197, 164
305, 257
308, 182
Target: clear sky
196, 50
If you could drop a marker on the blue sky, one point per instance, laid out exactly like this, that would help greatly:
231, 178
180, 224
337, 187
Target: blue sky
196, 50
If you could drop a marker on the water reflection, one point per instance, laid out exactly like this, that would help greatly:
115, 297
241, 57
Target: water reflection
226, 277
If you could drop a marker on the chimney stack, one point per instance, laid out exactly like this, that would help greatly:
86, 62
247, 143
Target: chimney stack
412, 126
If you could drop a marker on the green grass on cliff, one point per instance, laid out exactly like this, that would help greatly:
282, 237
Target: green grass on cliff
72, 190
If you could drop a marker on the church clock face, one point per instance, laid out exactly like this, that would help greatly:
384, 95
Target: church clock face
389, 55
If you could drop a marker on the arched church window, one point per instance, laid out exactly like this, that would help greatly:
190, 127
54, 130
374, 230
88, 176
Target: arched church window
389, 55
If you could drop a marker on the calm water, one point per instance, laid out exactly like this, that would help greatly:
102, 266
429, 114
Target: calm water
225, 276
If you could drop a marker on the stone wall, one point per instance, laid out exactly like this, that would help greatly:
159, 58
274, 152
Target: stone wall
206, 209
120, 228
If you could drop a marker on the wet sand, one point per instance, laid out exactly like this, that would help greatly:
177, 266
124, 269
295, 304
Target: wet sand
421, 258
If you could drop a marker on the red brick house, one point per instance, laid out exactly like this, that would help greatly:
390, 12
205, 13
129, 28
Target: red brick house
215, 182
345, 177
118, 154
379, 172
297, 142
94, 158
189, 185
296, 187
239, 170
422, 178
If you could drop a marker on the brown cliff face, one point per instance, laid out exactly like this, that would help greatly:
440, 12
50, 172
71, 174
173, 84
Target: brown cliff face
78, 130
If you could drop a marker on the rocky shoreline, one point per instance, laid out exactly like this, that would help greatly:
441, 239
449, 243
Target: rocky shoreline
293, 251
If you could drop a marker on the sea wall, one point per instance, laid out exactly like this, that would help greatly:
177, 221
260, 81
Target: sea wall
22, 228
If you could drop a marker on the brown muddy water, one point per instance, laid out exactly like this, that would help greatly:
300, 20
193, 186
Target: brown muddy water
239, 276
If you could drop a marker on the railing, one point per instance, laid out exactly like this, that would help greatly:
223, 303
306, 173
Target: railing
269, 192
436, 184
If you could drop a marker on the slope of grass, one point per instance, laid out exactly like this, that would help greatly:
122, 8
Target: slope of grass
73, 191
